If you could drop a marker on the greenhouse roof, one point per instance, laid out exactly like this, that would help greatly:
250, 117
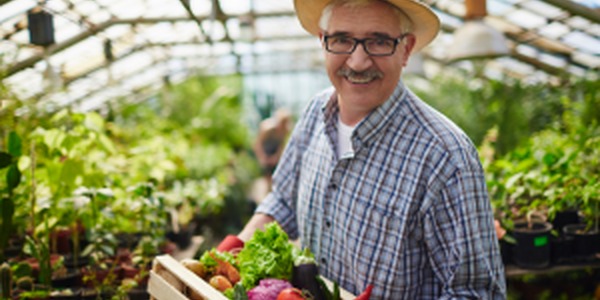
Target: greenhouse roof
105, 49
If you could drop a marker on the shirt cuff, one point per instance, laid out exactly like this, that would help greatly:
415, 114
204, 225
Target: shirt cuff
281, 212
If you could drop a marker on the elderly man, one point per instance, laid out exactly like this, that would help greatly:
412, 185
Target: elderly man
383, 189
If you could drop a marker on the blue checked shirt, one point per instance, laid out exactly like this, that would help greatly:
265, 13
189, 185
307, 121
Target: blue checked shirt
408, 212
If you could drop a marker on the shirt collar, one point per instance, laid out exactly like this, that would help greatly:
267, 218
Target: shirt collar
371, 127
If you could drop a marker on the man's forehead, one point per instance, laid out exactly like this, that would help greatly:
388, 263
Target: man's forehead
368, 34
371, 20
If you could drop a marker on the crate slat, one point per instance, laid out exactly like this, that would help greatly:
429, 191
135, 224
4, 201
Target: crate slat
187, 277
160, 289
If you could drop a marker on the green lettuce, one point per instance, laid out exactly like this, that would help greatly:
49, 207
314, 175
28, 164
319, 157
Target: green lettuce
267, 254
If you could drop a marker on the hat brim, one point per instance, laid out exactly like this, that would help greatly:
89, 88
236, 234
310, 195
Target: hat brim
426, 23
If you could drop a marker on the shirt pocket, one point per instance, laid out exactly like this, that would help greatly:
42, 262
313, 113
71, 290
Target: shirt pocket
374, 240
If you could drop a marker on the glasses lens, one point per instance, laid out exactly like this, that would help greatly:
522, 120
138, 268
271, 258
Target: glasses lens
380, 46
340, 44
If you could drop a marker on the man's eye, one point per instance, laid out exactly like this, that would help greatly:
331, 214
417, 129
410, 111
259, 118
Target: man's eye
381, 42
342, 40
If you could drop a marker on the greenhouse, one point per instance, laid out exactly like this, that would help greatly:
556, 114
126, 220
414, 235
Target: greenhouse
220, 149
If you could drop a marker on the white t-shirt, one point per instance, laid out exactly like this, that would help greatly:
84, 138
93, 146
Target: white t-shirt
344, 144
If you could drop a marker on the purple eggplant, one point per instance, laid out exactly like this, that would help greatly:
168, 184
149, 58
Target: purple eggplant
305, 275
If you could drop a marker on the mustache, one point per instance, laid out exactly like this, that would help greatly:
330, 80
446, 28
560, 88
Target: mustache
347, 72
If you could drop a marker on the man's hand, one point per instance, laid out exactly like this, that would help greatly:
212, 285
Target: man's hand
500, 232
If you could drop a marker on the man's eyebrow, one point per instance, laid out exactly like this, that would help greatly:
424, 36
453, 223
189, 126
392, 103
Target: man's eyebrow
380, 34
372, 34
339, 33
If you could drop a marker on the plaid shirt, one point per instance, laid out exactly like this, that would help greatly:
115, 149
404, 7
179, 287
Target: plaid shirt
408, 212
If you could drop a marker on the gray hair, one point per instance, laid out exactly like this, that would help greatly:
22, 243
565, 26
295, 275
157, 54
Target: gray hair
405, 21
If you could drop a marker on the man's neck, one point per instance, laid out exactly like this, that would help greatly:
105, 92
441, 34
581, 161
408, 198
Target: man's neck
351, 116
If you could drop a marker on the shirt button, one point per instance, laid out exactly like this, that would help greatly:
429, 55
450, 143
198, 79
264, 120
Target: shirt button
333, 185
328, 224
323, 261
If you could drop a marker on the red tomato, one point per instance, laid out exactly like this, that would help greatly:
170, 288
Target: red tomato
291, 294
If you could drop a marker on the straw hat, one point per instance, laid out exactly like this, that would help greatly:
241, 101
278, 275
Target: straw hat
426, 23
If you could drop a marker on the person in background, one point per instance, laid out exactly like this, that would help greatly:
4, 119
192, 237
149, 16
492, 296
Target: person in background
270, 141
388, 194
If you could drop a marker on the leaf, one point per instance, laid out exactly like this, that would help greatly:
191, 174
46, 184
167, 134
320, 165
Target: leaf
93, 121
14, 144
62, 114
88, 250
107, 144
512, 180
70, 170
21, 270
8, 210
107, 250
5, 160
53, 138
24, 163
13, 177
41, 228
31, 248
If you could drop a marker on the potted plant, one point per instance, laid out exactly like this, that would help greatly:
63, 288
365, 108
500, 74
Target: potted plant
586, 236
9, 161
101, 272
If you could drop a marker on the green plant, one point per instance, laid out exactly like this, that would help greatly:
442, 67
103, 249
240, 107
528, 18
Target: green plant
25, 283
35, 294
102, 246
144, 251
40, 251
9, 160
6, 279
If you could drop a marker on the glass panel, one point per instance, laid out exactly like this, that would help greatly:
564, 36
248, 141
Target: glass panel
554, 30
525, 19
582, 41
544, 9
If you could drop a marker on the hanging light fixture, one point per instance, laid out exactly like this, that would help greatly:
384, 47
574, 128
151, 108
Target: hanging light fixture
476, 39
41, 27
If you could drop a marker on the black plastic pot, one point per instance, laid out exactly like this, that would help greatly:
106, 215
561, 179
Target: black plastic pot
12, 251
75, 295
71, 279
532, 250
565, 217
89, 294
585, 243
183, 238
128, 240
69, 261
561, 249
140, 293
507, 252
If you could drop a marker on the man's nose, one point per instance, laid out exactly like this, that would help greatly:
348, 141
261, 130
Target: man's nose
359, 60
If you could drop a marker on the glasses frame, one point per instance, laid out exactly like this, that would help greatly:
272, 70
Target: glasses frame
362, 42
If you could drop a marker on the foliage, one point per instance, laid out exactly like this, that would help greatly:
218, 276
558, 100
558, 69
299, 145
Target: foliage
515, 108
555, 169
9, 160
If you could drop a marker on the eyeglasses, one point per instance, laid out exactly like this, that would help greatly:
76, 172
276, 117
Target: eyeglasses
381, 46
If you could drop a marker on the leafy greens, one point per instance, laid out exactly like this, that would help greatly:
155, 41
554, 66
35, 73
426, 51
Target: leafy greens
267, 254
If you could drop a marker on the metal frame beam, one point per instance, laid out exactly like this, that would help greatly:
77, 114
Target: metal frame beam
576, 9
29, 62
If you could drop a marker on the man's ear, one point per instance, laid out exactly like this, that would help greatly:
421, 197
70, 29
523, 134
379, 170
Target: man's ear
408, 44
321, 37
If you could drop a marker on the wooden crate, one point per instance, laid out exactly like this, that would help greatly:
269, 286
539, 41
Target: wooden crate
170, 280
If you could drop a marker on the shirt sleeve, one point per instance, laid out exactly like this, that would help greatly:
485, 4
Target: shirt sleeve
460, 237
